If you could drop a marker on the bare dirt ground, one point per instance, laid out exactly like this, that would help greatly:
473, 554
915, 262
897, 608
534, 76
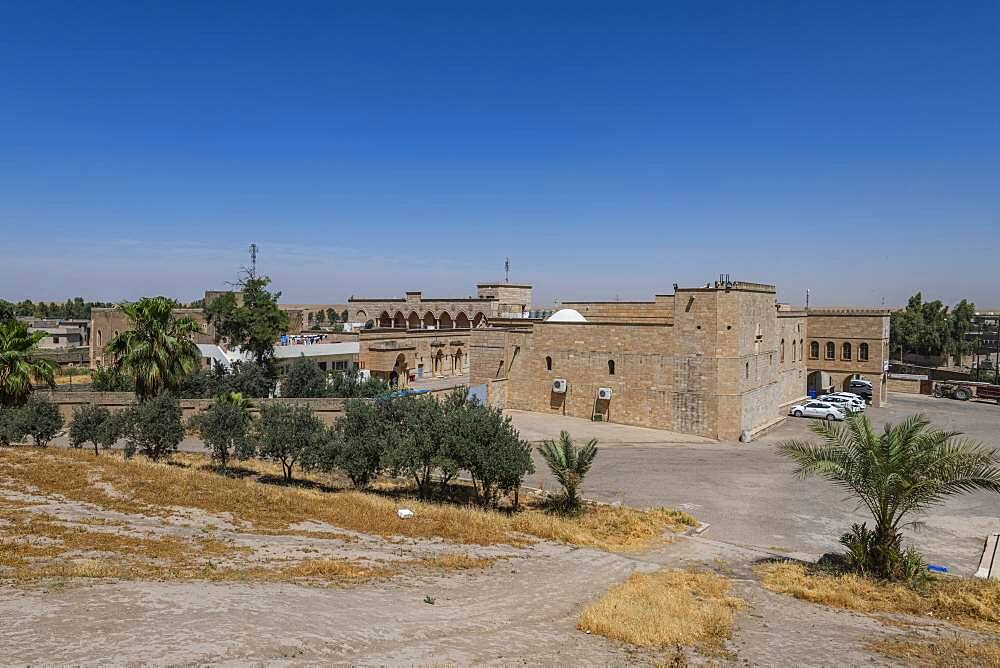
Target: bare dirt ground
521, 609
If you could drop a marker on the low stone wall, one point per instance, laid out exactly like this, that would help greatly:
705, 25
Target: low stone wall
326, 409
905, 384
932, 373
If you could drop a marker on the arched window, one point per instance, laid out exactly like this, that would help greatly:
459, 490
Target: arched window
793, 350
814, 350
748, 370
831, 350
863, 352
611, 367
782, 359
548, 363
845, 351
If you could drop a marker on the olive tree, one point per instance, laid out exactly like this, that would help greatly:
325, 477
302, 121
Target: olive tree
365, 431
153, 427
225, 428
490, 449
40, 418
89, 423
288, 435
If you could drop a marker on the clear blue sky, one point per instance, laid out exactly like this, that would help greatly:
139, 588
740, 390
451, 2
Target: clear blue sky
608, 148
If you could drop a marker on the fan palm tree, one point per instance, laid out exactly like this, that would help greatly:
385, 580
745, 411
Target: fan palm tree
20, 364
902, 471
569, 465
157, 351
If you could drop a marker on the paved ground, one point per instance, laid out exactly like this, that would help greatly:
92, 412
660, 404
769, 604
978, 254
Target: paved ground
749, 495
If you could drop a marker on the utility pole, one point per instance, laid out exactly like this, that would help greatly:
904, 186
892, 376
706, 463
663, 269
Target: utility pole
253, 261
807, 299
506, 270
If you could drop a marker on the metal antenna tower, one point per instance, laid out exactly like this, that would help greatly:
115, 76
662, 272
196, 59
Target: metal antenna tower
506, 270
253, 260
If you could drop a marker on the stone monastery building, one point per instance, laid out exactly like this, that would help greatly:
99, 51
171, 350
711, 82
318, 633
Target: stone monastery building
723, 361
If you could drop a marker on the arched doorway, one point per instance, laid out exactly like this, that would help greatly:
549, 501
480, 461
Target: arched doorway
429, 321
385, 320
398, 320
438, 362
459, 359
360, 316
413, 321
398, 375
446, 321
479, 320
462, 321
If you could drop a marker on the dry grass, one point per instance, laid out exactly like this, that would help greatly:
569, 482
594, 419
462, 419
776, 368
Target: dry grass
35, 545
939, 652
460, 562
148, 488
665, 609
617, 529
974, 604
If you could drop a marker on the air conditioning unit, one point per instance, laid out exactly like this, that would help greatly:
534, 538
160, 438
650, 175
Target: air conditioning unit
604, 393
559, 386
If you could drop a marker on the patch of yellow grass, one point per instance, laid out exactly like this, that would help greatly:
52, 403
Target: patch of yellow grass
144, 487
449, 562
939, 652
617, 529
665, 609
974, 604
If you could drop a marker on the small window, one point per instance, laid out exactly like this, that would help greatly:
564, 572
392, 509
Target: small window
814, 350
548, 363
748, 370
831, 350
863, 352
793, 350
55, 339
611, 367
845, 351
783, 351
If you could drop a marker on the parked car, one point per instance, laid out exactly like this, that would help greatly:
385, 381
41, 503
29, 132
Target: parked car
818, 409
862, 388
850, 403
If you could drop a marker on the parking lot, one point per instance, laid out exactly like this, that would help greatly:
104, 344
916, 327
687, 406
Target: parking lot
750, 495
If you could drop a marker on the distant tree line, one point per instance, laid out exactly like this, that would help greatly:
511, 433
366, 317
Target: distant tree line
72, 309
931, 328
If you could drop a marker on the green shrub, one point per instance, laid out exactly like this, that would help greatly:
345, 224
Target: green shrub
89, 423
225, 428
304, 380
490, 449
365, 431
153, 427
40, 418
11, 429
288, 435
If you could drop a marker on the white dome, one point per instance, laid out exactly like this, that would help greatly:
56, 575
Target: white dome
566, 315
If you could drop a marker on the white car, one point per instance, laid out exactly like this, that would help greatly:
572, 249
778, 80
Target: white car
818, 409
851, 404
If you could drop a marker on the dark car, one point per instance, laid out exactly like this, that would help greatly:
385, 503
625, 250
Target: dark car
862, 388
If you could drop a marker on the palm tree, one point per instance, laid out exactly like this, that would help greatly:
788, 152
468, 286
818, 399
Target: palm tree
20, 364
569, 465
905, 470
157, 351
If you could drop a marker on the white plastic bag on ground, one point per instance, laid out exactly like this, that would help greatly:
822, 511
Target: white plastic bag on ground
404, 513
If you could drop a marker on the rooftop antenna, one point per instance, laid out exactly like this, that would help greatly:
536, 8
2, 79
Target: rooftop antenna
807, 298
253, 260
506, 270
